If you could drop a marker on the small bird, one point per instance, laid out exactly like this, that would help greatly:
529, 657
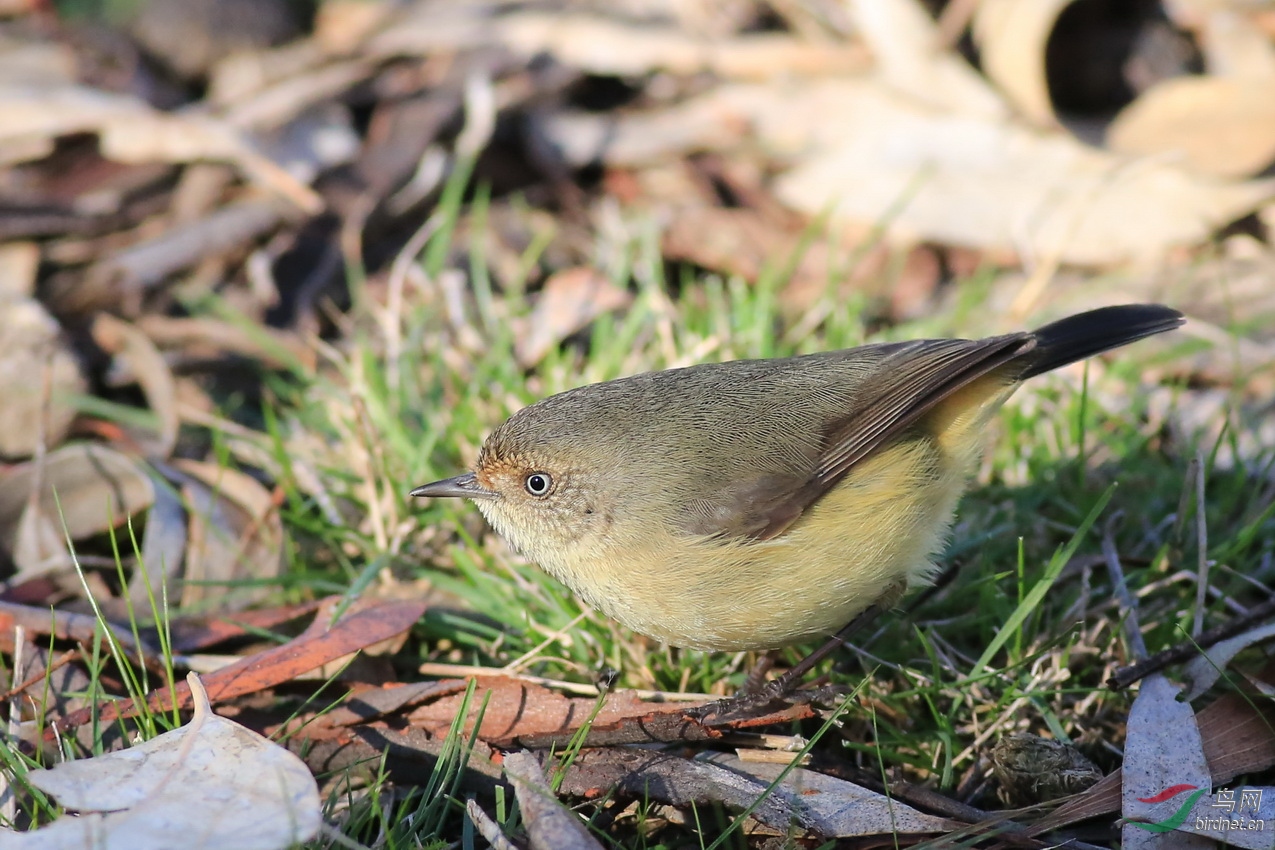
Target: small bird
759, 503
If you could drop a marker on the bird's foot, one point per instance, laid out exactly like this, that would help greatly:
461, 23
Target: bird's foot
771, 697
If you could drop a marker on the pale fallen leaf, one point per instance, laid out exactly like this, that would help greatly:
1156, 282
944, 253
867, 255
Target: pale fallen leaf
868, 157
1011, 38
1232, 43
19, 264
235, 535
131, 131
569, 301
136, 359
39, 375
1163, 763
1167, 781
1204, 670
97, 488
903, 38
210, 785
1223, 126
605, 46
971, 182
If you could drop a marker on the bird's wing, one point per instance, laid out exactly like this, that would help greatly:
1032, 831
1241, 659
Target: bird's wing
909, 384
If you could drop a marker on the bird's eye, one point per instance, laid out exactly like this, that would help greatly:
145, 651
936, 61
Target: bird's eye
538, 483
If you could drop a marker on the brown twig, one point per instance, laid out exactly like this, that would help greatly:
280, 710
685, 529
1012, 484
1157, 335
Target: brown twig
1126, 676
57, 663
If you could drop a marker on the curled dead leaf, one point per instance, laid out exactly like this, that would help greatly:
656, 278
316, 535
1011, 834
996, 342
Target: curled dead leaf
137, 359
901, 35
569, 301
39, 377
131, 131
1223, 126
1011, 38
78, 491
235, 536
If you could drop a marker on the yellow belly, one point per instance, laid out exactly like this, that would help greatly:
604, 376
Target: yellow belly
879, 527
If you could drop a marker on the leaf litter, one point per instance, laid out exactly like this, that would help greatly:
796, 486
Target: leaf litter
250, 793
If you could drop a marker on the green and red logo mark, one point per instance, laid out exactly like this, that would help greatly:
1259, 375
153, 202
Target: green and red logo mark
1176, 819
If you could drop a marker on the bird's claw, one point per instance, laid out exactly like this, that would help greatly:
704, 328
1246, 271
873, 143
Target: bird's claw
772, 697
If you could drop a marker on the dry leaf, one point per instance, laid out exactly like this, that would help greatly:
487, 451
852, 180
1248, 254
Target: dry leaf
1204, 670
130, 131
1232, 43
39, 377
902, 37
19, 265
804, 799
323, 642
874, 158
604, 46
235, 535
97, 488
741, 241
569, 301
1011, 38
1224, 126
210, 785
525, 714
136, 359
992, 185
1163, 756
1163, 763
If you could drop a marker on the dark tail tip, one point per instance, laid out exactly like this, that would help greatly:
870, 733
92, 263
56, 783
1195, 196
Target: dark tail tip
1086, 334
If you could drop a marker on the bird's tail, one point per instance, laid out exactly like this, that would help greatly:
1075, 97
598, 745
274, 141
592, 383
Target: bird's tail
1086, 334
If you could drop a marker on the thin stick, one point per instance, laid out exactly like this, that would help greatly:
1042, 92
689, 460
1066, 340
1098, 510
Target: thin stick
1202, 546
1133, 631
460, 671
1126, 676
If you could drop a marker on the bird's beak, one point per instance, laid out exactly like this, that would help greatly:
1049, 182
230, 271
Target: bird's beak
461, 487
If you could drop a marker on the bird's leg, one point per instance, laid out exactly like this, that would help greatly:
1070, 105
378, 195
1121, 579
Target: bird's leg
756, 679
750, 702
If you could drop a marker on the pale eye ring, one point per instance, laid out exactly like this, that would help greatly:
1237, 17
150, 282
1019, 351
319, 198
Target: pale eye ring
538, 483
